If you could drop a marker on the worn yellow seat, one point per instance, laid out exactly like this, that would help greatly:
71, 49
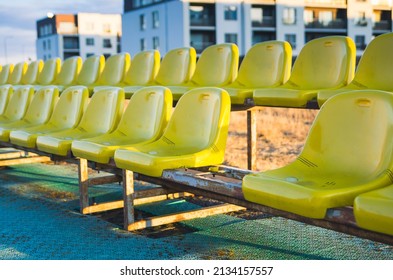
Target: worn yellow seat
5, 73
68, 73
374, 210
115, 69
217, 66
33, 70
374, 70
196, 136
38, 112
101, 116
91, 70
48, 74
348, 152
143, 70
143, 121
17, 105
5, 93
66, 114
266, 64
17, 73
176, 68
323, 63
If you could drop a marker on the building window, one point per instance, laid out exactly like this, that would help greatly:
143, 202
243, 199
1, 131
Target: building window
89, 41
71, 42
202, 15
263, 16
143, 44
156, 19
106, 43
361, 19
156, 42
202, 39
49, 45
106, 28
231, 38
142, 22
291, 39
89, 54
44, 57
289, 16
44, 45
360, 41
230, 12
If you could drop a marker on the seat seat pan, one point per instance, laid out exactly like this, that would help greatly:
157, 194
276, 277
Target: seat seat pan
284, 97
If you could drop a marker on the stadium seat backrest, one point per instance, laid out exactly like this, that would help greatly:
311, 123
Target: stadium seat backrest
217, 65
375, 68
115, 68
49, 72
42, 104
91, 70
16, 76
5, 72
70, 107
19, 102
69, 71
31, 75
5, 93
324, 63
266, 64
177, 66
143, 69
103, 111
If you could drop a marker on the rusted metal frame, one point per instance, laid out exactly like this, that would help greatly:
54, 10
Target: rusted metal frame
337, 219
251, 140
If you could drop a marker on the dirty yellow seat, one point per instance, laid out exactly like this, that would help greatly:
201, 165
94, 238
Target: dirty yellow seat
5, 93
33, 70
143, 121
66, 114
374, 210
266, 64
17, 105
323, 63
176, 68
17, 73
374, 71
68, 72
48, 74
115, 69
91, 70
38, 112
196, 136
5, 73
348, 152
101, 116
217, 66
143, 70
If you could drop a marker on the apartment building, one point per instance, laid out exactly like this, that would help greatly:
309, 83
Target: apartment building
168, 24
83, 34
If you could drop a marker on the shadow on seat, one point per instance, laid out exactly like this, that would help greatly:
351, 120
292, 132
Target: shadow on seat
323, 63
101, 116
374, 71
143, 121
266, 64
348, 152
66, 114
196, 136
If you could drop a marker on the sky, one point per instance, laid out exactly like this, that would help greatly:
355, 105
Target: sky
18, 22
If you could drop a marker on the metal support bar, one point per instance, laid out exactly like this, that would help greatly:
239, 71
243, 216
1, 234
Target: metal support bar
251, 140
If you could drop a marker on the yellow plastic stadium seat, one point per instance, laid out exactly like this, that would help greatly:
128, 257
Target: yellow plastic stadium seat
323, 63
5, 93
31, 75
216, 67
66, 114
101, 116
68, 72
143, 122
266, 64
38, 112
115, 69
17, 73
348, 152
6, 70
374, 210
176, 68
49, 73
196, 136
91, 70
18, 103
374, 71
143, 70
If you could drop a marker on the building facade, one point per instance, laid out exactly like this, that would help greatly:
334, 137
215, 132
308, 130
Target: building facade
83, 34
168, 24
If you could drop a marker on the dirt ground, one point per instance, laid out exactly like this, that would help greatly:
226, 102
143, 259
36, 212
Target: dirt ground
281, 133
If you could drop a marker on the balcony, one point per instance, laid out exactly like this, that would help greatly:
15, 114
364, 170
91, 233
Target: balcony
268, 21
202, 15
71, 43
333, 24
263, 16
385, 25
202, 40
